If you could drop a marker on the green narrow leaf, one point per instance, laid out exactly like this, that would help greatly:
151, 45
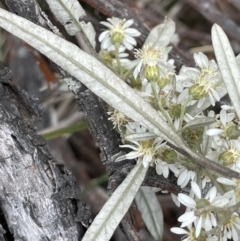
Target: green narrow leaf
66, 130
94, 183
116, 207
228, 65
151, 210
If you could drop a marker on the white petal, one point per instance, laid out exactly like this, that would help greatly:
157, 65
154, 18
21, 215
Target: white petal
106, 43
201, 60
146, 160
165, 171
130, 40
201, 101
223, 117
127, 45
103, 35
174, 169
186, 216
179, 230
215, 94
188, 222
226, 181
192, 175
183, 95
137, 70
114, 21
186, 200
182, 177
213, 132
175, 200
196, 189
145, 164
133, 155
213, 220
128, 23
106, 24
129, 146
132, 32
198, 227
211, 194
208, 223
234, 234
220, 202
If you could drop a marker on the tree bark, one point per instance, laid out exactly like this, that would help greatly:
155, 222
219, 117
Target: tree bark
39, 199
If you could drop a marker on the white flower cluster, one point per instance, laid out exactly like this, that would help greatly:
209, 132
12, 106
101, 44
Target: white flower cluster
213, 203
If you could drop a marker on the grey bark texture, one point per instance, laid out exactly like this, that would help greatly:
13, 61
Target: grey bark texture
39, 199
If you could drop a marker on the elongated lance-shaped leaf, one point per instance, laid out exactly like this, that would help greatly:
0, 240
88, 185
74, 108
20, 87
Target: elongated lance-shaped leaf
206, 142
92, 73
227, 65
199, 122
69, 13
140, 136
151, 210
116, 207
162, 34
101, 81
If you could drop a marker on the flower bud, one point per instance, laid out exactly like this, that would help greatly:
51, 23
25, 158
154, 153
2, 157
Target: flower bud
232, 132
175, 110
162, 82
117, 38
169, 156
151, 73
197, 92
226, 158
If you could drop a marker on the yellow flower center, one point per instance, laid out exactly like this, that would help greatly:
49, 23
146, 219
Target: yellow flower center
146, 147
117, 28
117, 33
149, 55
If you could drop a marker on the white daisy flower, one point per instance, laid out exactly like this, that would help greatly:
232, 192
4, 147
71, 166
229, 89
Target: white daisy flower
206, 66
200, 83
234, 194
143, 150
231, 228
152, 63
200, 210
118, 119
230, 154
118, 34
190, 235
225, 127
